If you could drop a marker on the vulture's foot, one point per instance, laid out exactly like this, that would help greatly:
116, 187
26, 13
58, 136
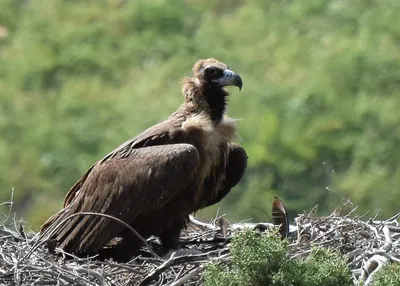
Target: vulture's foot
170, 239
122, 252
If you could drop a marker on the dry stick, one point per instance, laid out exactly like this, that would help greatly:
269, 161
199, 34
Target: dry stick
187, 277
173, 260
182, 270
123, 266
393, 218
53, 265
4, 232
10, 203
372, 266
374, 229
388, 239
128, 281
172, 275
80, 259
391, 257
374, 218
244, 225
202, 224
37, 244
158, 270
81, 269
59, 276
213, 240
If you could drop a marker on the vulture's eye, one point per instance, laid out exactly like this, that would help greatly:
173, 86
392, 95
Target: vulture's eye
211, 71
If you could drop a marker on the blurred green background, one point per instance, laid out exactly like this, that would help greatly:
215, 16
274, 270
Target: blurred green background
320, 107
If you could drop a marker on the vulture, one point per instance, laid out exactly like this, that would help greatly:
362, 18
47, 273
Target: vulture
154, 181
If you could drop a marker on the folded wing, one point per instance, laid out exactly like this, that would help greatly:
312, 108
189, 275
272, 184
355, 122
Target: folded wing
123, 187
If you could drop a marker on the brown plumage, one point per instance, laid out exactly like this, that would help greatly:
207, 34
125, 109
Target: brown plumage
155, 180
280, 217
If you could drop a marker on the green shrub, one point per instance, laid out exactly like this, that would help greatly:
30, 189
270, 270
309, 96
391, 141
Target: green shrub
264, 260
388, 276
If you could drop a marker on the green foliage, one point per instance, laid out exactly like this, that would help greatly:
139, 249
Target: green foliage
388, 276
319, 105
325, 267
263, 260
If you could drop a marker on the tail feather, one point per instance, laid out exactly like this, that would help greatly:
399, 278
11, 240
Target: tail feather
78, 234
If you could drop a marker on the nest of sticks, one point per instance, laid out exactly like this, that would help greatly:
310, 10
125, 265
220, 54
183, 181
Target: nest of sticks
367, 244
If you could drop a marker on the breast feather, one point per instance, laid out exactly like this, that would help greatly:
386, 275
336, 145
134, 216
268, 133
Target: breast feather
211, 138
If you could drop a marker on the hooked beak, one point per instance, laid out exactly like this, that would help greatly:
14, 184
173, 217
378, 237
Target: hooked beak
230, 78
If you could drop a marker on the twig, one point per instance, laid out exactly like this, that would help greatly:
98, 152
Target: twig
39, 242
187, 277
10, 203
368, 245
173, 260
371, 267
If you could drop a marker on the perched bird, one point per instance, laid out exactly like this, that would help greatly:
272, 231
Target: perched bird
156, 179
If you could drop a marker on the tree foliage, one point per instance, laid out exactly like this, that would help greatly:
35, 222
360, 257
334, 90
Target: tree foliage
318, 108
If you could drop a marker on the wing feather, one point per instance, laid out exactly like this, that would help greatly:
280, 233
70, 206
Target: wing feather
158, 134
125, 188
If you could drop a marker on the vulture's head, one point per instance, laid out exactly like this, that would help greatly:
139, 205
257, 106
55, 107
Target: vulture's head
215, 74
206, 90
